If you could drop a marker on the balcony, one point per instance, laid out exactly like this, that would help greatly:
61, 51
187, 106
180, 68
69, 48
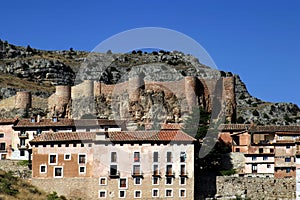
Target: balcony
114, 174
156, 174
23, 147
183, 174
23, 135
137, 174
170, 174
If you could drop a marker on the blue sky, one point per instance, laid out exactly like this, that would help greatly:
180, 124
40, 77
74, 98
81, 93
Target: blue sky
259, 40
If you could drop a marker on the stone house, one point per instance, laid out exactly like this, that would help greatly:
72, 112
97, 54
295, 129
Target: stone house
7, 138
115, 165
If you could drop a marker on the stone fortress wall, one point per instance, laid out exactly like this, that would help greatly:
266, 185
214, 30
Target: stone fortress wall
191, 91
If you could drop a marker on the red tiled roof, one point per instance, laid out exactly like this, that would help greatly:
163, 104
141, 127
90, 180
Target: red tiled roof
163, 135
8, 121
233, 127
64, 136
45, 122
268, 128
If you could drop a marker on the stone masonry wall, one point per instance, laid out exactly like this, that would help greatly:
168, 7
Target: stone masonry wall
256, 188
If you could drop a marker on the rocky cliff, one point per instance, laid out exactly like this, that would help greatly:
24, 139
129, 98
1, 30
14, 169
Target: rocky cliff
38, 71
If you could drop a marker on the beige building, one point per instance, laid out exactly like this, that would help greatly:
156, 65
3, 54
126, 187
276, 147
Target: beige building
115, 165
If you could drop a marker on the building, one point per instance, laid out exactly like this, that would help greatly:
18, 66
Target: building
7, 138
27, 129
117, 164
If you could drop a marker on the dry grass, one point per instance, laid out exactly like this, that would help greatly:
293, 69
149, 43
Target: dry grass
18, 83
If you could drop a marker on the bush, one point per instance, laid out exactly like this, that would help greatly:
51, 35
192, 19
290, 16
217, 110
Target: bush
23, 163
228, 172
240, 120
242, 96
255, 113
54, 196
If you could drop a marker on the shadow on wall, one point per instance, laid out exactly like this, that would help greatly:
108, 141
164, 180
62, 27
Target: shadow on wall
217, 163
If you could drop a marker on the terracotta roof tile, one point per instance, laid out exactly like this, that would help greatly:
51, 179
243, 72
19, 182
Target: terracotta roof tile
45, 122
162, 135
233, 127
64, 136
268, 128
8, 121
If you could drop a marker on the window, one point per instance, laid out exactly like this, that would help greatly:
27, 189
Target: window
113, 170
169, 156
288, 159
288, 170
182, 181
155, 156
81, 158
22, 153
102, 193
137, 181
182, 193
182, 156
58, 172
102, 181
53, 159
136, 169
82, 169
271, 150
32, 119
43, 169
123, 183
182, 170
137, 194
155, 180
122, 194
2, 146
155, 170
265, 158
237, 149
54, 119
67, 156
74, 145
22, 142
288, 147
113, 157
169, 170
136, 156
169, 193
1, 135
169, 180
261, 150
155, 192
67, 145
254, 158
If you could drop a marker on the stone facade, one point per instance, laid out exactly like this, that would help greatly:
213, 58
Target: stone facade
256, 188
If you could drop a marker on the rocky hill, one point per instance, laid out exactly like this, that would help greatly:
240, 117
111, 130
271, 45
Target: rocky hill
38, 71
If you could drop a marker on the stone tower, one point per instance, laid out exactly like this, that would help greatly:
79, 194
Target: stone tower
23, 100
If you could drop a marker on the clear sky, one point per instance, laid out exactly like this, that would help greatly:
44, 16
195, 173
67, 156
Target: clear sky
259, 40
